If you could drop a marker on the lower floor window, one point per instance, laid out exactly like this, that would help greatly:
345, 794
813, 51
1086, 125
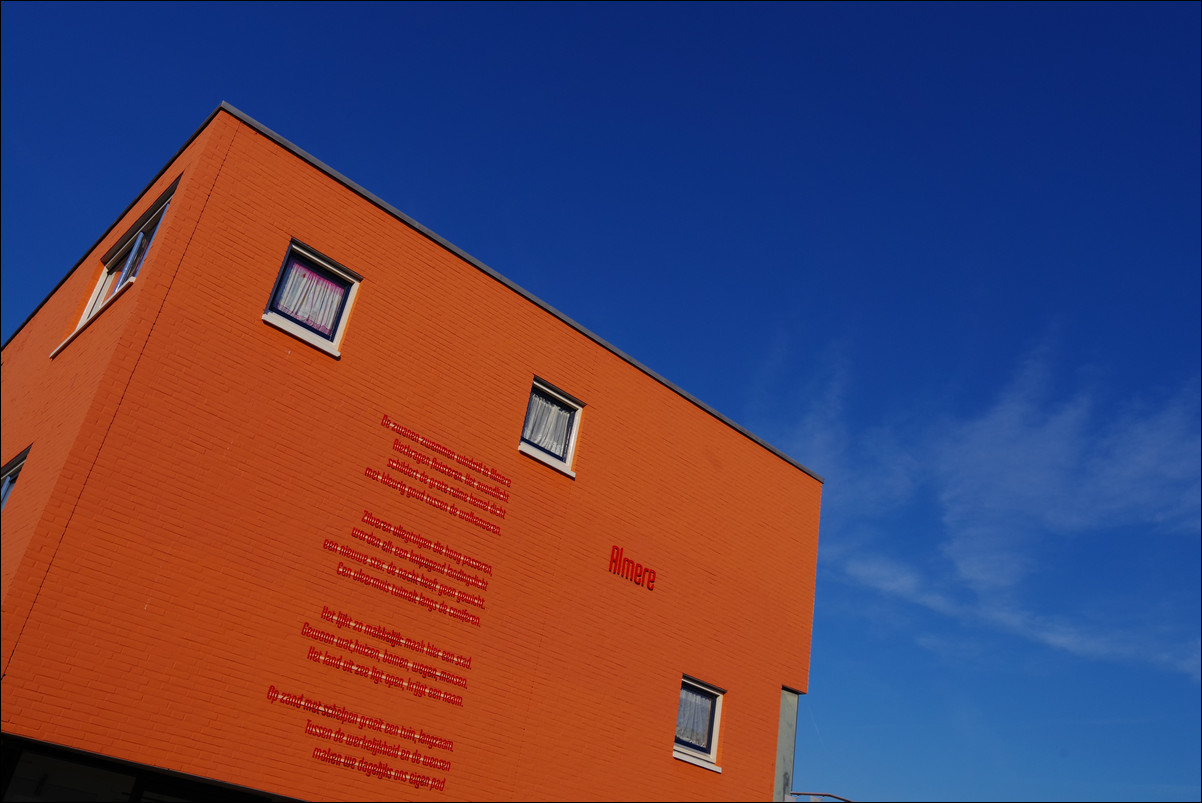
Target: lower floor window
697, 720
10, 472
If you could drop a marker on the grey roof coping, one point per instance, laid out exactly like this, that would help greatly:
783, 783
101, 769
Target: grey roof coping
408, 221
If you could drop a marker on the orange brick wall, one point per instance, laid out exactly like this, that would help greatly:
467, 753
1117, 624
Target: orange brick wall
164, 548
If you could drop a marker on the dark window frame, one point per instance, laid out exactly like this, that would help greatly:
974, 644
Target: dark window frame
550, 394
123, 262
302, 258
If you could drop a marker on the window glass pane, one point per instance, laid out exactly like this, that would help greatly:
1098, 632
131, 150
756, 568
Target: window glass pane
122, 268
311, 298
548, 424
12, 469
695, 717
10, 479
134, 261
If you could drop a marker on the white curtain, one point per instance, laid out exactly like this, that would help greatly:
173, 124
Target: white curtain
311, 298
693, 718
547, 425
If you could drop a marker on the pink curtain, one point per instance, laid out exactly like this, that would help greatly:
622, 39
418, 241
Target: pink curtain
311, 298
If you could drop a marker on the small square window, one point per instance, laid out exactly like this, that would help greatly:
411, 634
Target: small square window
552, 423
697, 720
123, 263
312, 299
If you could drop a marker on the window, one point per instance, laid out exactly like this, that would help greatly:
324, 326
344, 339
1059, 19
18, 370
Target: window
312, 299
552, 423
122, 264
9, 473
697, 721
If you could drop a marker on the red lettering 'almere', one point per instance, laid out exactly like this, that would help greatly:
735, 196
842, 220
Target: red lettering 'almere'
636, 573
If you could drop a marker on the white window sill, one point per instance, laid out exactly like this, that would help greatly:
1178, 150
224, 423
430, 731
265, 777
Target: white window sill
695, 760
122, 290
301, 333
543, 457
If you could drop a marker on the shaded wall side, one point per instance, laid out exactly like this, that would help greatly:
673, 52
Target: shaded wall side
63, 405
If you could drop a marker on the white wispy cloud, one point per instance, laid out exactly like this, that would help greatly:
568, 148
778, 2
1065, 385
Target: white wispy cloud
1028, 469
1030, 464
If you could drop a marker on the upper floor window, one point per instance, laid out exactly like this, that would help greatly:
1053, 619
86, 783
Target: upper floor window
312, 298
552, 424
122, 264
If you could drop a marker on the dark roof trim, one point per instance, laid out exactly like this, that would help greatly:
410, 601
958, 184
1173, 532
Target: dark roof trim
399, 215
408, 221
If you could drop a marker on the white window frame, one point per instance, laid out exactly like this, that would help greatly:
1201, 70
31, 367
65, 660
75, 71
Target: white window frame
285, 323
564, 464
124, 262
707, 759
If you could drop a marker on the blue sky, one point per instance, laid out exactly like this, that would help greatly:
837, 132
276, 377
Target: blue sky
945, 255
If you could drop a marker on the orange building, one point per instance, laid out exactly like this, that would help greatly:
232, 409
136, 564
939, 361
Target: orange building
301, 501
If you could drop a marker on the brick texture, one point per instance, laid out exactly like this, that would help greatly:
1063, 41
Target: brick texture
191, 465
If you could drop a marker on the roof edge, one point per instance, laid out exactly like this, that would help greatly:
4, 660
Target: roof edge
479, 265
117, 220
286, 144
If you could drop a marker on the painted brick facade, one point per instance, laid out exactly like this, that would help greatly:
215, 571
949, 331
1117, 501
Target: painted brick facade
172, 543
